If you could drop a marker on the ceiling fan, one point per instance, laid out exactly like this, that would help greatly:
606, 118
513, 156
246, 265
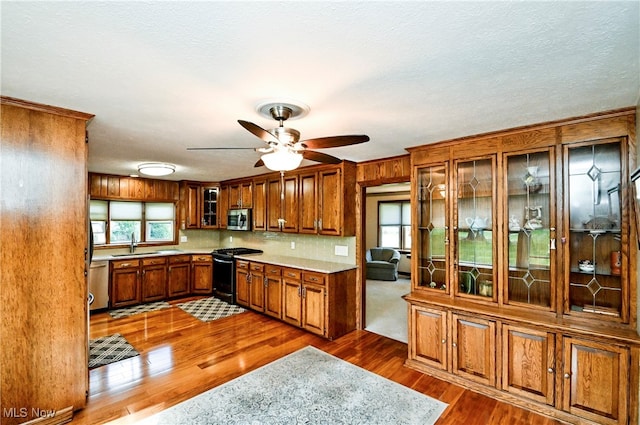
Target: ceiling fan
285, 150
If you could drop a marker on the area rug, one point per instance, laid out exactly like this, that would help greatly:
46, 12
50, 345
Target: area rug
136, 309
109, 349
208, 309
305, 387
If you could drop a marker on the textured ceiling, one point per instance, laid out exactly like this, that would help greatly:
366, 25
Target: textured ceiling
164, 76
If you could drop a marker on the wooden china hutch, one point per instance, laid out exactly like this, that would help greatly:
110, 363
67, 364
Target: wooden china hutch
524, 278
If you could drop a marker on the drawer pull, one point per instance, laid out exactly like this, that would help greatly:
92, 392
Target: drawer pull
550, 370
444, 341
567, 375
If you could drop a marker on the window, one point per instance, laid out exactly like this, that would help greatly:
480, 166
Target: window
115, 222
394, 220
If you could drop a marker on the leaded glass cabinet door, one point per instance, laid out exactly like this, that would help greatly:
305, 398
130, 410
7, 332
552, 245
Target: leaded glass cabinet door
475, 245
432, 231
529, 229
595, 263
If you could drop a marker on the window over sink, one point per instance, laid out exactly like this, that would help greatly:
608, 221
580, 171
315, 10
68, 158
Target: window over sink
114, 222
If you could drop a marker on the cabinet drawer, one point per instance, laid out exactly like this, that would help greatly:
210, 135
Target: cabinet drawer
313, 277
273, 270
154, 261
257, 267
175, 259
241, 264
125, 264
204, 258
291, 274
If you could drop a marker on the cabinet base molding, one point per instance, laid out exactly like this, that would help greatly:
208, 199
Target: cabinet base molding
496, 394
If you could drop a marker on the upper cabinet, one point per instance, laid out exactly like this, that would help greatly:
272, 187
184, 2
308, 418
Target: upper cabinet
104, 186
240, 193
200, 205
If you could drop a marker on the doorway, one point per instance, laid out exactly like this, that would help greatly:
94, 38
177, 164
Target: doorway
385, 312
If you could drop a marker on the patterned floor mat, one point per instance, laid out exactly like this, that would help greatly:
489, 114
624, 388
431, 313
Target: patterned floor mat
142, 308
109, 349
208, 309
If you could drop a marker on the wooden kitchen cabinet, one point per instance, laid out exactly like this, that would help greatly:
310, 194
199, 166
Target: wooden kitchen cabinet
473, 343
528, 363
595, 380
44, 218
273, 291
321, 303
106, 186
240, 194
223, 206
428, 339
154, 279
242, 283
125, 283
256, 286
500, 238
259, 204
200, 205
314, 306
179, 276
292, 294
202, 274
282, 203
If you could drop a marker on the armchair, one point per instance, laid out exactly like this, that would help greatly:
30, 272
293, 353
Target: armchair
382, 263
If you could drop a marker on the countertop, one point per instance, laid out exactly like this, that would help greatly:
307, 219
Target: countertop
278, 260
299, 263
145, 254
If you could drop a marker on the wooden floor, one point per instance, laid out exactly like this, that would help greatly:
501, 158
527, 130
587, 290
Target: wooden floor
181, 357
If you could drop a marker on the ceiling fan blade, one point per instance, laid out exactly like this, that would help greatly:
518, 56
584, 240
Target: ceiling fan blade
213, 149
260, 163
259, 131
335, 141
320, 157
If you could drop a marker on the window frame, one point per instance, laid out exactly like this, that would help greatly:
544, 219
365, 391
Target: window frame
144, 223
405, 246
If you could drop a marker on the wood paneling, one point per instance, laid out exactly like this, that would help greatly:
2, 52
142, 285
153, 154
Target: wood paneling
43, 288
384, 170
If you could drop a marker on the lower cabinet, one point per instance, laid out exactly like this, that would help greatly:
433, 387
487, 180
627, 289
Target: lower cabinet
179, 276
273, 291
578, 379
201, 274
321, 303
125, 283
154, 279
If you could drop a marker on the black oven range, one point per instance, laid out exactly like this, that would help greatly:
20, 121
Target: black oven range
224, 271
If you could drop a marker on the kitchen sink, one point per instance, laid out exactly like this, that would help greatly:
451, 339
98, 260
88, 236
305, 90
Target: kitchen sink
136, 253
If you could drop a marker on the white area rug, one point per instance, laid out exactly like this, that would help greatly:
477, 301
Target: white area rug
386, 311
305, 387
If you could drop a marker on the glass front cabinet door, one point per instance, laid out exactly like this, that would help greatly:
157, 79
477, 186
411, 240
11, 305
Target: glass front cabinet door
432, 229
529, 230
594, 264
474, 230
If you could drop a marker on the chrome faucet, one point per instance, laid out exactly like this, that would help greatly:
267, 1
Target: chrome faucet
134, 244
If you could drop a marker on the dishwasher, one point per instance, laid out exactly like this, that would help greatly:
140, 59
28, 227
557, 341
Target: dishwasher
99, 284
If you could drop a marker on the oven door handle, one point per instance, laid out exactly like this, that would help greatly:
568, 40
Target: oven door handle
220, 260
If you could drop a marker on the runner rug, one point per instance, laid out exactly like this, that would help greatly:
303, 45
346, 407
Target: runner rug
142, 308
305, 387
208, 309
109, 349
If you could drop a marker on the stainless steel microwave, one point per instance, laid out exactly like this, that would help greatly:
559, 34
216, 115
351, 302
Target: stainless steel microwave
239, 219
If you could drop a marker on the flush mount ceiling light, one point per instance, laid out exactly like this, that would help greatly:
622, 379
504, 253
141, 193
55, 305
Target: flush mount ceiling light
156, 169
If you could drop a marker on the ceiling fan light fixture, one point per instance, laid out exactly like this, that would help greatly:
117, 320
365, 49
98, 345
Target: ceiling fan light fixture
156, 169
282, 160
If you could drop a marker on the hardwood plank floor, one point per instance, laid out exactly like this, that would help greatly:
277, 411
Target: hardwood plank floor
181, 357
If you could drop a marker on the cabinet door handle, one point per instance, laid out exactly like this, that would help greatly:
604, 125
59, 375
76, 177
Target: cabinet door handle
454, 345
550, 370
567, 375
304, 292
299, 291
444, 341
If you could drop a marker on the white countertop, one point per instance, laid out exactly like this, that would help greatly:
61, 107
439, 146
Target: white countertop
299, 263
145, 254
